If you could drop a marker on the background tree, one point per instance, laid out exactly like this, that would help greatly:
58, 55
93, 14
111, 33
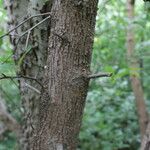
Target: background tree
134, 67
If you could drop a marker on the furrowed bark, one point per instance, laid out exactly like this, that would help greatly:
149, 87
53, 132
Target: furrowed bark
68, 65
134, 66
53, 118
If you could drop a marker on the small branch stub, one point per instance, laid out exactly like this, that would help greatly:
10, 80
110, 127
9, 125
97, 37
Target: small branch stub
99, 75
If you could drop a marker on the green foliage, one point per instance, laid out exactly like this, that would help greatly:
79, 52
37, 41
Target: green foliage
9, 142
147, 6
110, 121
8, 88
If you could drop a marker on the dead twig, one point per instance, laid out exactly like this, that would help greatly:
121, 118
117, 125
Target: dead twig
32, 88
35, 26
27, 40
98, 75
29, 30
20, 76
20, 24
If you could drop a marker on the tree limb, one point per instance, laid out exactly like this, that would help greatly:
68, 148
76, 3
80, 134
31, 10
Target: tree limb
20, 24
98, 75
20, 76
35, 26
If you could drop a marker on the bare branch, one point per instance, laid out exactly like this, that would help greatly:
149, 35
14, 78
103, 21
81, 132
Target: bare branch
32, 88
29, 30
35, 26
20, 76
98, 75
27, 40
20, 24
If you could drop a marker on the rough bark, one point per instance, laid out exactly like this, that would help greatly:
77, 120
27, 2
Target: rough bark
134, 67
34, 61
146, 139
68, 66
56, 114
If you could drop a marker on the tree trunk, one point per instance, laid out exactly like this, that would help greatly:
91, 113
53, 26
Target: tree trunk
146, 139
134, 67
34, 61
62, 65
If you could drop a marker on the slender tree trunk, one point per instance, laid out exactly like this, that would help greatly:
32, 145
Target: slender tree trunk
134, 67
146, 139
62, 65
